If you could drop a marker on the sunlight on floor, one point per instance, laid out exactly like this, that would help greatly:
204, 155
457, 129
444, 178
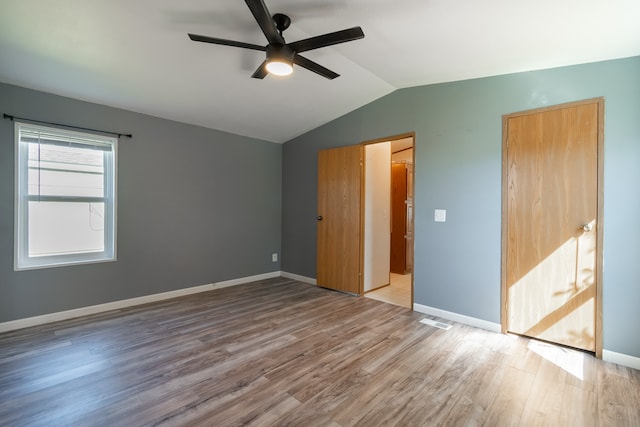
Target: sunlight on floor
572, 361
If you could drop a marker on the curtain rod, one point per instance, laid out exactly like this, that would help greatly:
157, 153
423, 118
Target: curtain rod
118, 134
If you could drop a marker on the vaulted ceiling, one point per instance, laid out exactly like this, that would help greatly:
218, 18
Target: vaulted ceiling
136, 55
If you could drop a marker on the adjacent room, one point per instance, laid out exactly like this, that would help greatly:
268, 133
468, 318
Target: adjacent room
319, 213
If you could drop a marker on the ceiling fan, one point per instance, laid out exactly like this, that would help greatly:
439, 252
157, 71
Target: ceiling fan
280, 55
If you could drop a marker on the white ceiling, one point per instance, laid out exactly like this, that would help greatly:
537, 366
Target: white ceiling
135, 54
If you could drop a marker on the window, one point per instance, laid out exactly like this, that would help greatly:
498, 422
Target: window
65, 197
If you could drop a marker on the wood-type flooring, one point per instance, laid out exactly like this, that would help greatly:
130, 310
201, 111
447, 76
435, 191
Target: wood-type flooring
283, 353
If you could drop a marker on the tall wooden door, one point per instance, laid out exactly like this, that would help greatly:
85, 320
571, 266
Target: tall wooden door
339, 219
552, 237
398, 256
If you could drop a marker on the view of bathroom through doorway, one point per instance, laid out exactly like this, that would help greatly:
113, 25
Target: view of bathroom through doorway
388, 220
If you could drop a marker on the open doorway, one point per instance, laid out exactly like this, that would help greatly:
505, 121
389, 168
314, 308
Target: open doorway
388, 220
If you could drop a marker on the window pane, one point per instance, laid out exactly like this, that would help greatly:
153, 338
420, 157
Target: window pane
65, 197
58, 228
65, 171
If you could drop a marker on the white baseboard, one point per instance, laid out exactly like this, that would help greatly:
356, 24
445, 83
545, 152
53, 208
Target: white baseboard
117, 305
248, 279
467, 320
621, 359
299, 278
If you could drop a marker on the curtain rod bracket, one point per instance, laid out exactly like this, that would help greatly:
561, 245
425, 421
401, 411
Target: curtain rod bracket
118, 134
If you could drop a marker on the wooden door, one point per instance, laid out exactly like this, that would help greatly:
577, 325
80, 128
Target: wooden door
552, 228
339, 219
398, 258
409, 226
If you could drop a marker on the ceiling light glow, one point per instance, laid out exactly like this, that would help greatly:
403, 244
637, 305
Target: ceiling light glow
279, 68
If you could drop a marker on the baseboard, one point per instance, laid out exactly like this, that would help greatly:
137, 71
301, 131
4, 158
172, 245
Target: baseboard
467, 320
621, 359
248, 279
299, 278
117, 305
377, 288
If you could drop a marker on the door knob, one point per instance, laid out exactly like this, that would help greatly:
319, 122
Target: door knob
586, 227
319, 217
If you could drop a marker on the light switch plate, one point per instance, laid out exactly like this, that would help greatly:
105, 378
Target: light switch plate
440, 215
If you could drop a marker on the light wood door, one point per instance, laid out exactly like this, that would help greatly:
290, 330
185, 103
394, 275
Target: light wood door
552, 222
339, 219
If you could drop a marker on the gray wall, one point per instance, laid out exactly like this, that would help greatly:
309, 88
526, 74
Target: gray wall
458, 168
195, 206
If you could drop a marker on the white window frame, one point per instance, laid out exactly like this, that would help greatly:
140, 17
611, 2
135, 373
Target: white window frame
22, 260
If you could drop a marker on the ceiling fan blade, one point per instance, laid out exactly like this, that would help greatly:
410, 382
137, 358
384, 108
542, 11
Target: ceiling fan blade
205, 39
329, 39
315, 67
261, 72
265, 21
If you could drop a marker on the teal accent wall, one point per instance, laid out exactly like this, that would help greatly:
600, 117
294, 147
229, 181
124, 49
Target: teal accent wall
195, 206
458, 167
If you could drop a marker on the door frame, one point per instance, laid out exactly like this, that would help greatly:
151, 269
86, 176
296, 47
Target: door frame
599, 220
411, 135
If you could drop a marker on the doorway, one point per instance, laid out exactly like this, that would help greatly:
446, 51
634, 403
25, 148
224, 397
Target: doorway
388, 220
552, 232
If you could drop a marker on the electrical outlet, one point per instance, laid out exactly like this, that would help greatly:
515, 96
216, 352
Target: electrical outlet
274, 257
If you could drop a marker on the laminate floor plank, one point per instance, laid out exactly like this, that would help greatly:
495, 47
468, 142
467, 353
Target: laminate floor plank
508, 407
618, 396
283, 353
579, 408
545, 404
440, 387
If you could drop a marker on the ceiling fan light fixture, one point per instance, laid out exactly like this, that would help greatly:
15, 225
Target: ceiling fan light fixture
279, 60
279, 67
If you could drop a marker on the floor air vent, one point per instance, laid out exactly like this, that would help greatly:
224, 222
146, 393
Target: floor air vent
436, 324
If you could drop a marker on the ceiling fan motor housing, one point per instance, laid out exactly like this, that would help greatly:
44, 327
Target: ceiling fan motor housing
280, 52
